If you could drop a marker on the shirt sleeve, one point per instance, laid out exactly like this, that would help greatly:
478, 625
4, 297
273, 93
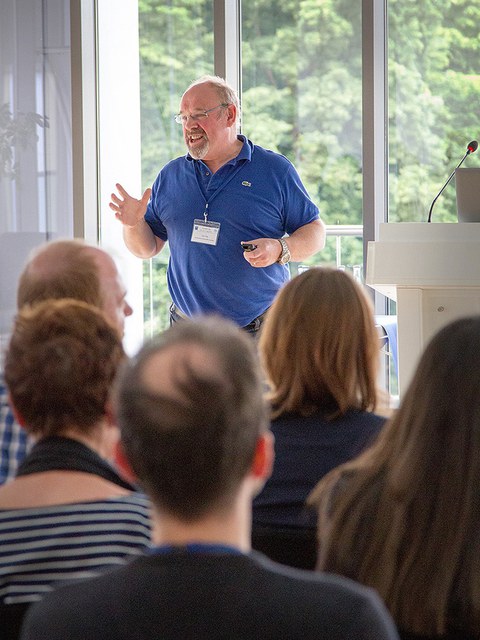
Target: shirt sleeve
299, 208
152, 217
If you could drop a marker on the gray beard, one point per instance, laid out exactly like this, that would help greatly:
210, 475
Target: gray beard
199, 152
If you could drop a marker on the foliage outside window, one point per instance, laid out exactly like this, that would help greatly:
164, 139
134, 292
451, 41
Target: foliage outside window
176, 46
302, 96
434, 94
301, 79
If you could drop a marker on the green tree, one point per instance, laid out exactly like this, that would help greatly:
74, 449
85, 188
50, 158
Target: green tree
434, 86
302, 96
176, 46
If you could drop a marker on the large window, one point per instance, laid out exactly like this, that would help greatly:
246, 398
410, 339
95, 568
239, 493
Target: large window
176, 46
434, 97
35, 136
313, 87
301, 80
302, 96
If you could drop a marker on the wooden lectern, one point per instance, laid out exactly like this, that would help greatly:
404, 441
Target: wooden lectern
432, 271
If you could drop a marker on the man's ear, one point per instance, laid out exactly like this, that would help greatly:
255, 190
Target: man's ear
123, 464
231, 115
264, 457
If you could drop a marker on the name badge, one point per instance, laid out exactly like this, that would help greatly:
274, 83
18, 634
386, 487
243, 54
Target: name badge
205, 232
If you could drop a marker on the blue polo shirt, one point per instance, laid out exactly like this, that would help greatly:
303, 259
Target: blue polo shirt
258, 194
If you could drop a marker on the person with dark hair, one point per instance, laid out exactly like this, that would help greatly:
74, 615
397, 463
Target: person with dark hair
226, 191
194, 428
404, 517
68, 514
60, 269
320, 353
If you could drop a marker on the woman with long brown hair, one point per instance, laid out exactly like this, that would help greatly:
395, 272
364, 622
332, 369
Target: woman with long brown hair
404, 517
320, 351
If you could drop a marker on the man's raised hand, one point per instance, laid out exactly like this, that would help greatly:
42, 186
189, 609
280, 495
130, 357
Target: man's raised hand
129, 210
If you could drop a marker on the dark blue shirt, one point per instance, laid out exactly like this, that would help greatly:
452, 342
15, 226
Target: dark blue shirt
307, 448
258, 194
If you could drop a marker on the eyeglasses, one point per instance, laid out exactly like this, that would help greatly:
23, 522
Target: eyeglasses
182, 118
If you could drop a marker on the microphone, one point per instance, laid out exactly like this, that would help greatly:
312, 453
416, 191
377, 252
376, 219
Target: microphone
471, 148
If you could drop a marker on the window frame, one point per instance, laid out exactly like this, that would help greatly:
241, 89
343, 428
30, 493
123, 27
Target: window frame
87, 58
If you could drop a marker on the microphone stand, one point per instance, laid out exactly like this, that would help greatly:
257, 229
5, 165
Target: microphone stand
469, 151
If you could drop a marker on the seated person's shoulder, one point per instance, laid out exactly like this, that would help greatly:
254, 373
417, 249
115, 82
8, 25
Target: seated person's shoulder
331, 600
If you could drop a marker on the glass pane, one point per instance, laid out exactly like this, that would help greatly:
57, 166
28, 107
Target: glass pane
176, 46
36, 201
302, 96
434, 93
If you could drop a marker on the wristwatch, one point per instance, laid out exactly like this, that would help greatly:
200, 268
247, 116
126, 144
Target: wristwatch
285, 255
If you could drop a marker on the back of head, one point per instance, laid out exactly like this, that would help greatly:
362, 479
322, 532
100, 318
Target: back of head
319, 346
190, 410
434, 437
440, 411
60, 364
60, 269
415, 495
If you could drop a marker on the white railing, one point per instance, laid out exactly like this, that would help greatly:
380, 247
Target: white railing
342, 230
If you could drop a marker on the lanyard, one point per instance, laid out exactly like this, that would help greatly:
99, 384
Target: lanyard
234, 172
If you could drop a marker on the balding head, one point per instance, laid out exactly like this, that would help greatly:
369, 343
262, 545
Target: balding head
72, 269
168, 369
223, 90
191, 411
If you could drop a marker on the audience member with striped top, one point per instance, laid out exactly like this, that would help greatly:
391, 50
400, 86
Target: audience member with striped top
68, 514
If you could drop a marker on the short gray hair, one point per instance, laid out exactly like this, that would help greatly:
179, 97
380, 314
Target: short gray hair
225, 92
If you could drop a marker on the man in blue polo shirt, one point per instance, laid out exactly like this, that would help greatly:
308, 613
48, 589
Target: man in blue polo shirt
224, 192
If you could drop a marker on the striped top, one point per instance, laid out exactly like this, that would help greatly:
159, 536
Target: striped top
43, 546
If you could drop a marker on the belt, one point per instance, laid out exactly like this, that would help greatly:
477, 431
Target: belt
175, 310
256, 323
253, 325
